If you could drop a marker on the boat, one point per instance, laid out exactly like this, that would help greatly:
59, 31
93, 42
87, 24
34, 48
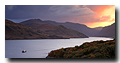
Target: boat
24, 51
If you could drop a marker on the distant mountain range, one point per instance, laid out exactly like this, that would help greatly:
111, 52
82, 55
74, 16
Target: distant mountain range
98, 28
47, 28
108, 31
75, 26
91, 32
37, 30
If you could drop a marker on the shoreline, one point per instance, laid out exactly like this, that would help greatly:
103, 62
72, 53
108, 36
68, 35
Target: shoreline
54, 38
94, 49
44, 38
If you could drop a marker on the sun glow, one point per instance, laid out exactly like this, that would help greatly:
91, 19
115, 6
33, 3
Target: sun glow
109, 18
110, 11
99, 24
102, 24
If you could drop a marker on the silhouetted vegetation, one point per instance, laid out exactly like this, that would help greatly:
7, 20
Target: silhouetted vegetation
95, 49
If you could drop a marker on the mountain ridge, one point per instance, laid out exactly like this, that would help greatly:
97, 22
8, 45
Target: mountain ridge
108, 31
75, 26
21, 31
52, 29
91, 32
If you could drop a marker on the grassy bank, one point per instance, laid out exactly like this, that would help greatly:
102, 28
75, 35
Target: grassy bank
95, 49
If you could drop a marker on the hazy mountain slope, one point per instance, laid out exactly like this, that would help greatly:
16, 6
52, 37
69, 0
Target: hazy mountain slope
98, 28
81, 28
52, 29
75, 26
108, 31
99, 31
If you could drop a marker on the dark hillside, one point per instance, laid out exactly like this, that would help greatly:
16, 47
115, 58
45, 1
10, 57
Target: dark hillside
95, 49
52, 30
74, 26
108, 31
21, 31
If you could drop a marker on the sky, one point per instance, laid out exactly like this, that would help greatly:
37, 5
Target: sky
90, 15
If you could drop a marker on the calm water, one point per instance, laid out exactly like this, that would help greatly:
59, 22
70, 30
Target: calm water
39, 48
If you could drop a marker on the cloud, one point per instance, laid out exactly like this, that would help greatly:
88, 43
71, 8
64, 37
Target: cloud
26, 11
105, 18
82, 14
99, 8
113, 19
10, 7
70, 10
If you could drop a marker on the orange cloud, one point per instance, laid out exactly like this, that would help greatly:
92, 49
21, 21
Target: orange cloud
99, 8
105, 15
90, 15
105, 18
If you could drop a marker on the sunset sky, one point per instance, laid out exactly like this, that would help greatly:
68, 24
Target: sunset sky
90, 15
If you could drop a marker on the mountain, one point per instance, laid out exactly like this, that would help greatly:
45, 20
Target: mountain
52, 30
75, 26
98, 28
20, 31
81, 28
38, 31
84, 29
108, 31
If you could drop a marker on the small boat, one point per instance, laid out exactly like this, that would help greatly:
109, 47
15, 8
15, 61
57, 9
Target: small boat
24, 51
